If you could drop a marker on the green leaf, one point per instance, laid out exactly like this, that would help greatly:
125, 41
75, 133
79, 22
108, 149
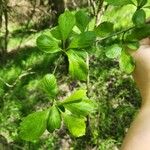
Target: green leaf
49, 85
113, 51
104, 29
140, 33
139, 18
56, 33
119, 2
66, 23
141, 3
77, 66
83, 108
48, 44
75, 97
126, 62
82, 20
91, 24
83, 40
133, 45
54, 119
33, 126
76, 125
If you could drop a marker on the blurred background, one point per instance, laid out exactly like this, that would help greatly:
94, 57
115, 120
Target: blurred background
22, 65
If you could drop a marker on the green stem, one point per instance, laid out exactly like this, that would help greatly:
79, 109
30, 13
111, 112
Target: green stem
115, 34
56, 65
88, 129
88, 76
63, 46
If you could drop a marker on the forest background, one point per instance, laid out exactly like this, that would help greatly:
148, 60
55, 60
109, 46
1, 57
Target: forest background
22, 65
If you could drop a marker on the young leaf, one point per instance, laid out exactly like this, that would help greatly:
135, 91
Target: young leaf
48, 44
139, 18
126, 62
66, 23
82, 20
119, 2
83, 40
76, 125
77, 66
113, 51
83, 108
75, 97
49, 85
54, 119
104, 29
33, 126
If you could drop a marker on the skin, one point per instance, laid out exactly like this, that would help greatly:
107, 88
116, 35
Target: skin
138, 136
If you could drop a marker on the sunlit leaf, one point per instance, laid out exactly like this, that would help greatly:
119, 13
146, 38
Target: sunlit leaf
83, 108
76, 125
33, 126
113, 51
66, 23
126, 62
77, 66
49, 85
75, 97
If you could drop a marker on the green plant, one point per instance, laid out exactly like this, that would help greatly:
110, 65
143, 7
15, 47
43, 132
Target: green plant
74, 39
74, 109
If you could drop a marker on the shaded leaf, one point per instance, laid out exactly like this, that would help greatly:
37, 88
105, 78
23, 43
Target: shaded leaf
56, 33
82, 20
104, 29
119, 2
133, 45
48, 44
139, 18
83, 40
141, 3
54, 119
139, 33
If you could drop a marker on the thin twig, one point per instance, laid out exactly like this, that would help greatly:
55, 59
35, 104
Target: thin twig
120, 32
88, 75
92, 3
99, 12
18, 78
